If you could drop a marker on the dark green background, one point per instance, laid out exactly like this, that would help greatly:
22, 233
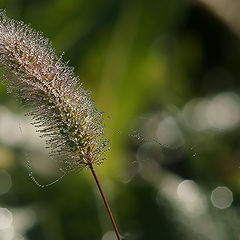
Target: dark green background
147, 62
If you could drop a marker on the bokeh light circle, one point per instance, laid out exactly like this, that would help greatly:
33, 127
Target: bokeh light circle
221, 197
187, 191
109, 235
6, 218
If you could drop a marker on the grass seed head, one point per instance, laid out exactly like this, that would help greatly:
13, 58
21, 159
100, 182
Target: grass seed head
63, 110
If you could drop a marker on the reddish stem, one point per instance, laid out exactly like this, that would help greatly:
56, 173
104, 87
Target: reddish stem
105, 201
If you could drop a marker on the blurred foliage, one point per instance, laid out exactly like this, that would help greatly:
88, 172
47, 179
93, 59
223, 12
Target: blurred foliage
166, 74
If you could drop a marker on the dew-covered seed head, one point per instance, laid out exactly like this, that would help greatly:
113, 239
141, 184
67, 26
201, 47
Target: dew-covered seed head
63, 110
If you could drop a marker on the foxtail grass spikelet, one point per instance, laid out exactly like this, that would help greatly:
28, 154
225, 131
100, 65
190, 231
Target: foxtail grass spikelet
63, 110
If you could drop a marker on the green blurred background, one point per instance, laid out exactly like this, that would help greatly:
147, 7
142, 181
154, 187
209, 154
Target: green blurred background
166, 73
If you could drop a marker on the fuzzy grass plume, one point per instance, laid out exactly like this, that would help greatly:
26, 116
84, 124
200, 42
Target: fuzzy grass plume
63, 110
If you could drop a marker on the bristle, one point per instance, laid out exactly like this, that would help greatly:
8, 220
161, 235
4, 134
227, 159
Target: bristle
64, 112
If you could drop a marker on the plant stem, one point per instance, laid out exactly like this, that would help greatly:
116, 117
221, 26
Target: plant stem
105, 201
